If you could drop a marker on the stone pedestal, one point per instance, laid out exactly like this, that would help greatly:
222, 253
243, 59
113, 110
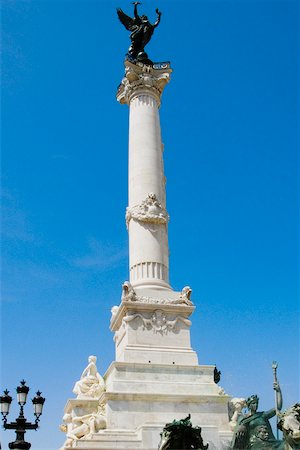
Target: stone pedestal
153, 333
155, 377
141, 398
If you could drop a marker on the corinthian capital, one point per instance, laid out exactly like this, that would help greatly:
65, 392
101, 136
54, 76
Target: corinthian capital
142, 79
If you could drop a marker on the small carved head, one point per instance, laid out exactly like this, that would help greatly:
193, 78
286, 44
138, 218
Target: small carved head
187, 292
63, 427
126, 288
114, 310
92, 358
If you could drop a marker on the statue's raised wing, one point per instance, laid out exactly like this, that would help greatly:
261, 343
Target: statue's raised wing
127, 21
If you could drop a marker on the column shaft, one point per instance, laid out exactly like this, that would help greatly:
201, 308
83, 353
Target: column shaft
146, 216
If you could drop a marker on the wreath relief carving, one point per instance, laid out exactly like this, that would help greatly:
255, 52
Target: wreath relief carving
150, 211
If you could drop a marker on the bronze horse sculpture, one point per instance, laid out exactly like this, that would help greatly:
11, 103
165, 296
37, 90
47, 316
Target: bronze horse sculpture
180, 434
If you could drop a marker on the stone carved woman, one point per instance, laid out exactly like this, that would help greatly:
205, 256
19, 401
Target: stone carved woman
91, 384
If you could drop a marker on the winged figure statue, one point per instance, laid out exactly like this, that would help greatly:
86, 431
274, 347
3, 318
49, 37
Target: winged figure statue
141, 32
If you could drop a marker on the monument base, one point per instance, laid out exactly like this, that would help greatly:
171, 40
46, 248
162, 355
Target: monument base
141, 398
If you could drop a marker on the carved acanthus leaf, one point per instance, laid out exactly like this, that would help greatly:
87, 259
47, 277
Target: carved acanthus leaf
140, 78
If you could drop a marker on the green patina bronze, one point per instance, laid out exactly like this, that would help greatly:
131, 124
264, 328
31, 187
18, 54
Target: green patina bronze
253, 430
180, 434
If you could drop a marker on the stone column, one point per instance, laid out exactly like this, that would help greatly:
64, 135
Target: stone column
146, 215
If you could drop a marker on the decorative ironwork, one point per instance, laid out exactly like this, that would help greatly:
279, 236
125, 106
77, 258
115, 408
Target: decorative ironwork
21, 425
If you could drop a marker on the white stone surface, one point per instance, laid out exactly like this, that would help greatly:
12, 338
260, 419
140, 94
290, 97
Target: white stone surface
82, 419
147, 220
153, 326
235, 408
155, 377
91, 384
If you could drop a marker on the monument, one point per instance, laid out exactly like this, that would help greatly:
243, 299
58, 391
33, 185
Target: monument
155, 377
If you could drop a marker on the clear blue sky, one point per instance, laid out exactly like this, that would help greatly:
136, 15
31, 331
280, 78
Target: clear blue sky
230, 126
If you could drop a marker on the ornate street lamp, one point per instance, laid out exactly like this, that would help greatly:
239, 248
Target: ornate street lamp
21, 424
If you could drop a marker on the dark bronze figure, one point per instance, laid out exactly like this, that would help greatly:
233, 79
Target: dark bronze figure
253, 430
217, 375
180, 434
141, 33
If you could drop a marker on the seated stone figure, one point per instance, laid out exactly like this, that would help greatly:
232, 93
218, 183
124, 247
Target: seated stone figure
91, 384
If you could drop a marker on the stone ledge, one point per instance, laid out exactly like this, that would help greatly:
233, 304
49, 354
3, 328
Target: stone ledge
125, 306
154, 398
79, 403
144, 367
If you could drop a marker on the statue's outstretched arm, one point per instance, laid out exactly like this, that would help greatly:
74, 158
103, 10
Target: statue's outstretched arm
271, 413
158, 18
276, 388
86, 371
135, 10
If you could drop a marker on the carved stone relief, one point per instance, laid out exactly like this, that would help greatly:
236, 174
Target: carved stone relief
129, 294
158, 321
84, 426
150, 211
142, 78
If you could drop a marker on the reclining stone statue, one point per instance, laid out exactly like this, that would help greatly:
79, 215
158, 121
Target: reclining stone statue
82, 427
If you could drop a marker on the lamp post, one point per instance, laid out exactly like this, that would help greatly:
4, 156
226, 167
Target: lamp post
21, 424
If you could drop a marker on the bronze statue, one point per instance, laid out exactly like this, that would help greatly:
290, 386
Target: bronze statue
141, 33
217, 375
253, 430
180, 434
